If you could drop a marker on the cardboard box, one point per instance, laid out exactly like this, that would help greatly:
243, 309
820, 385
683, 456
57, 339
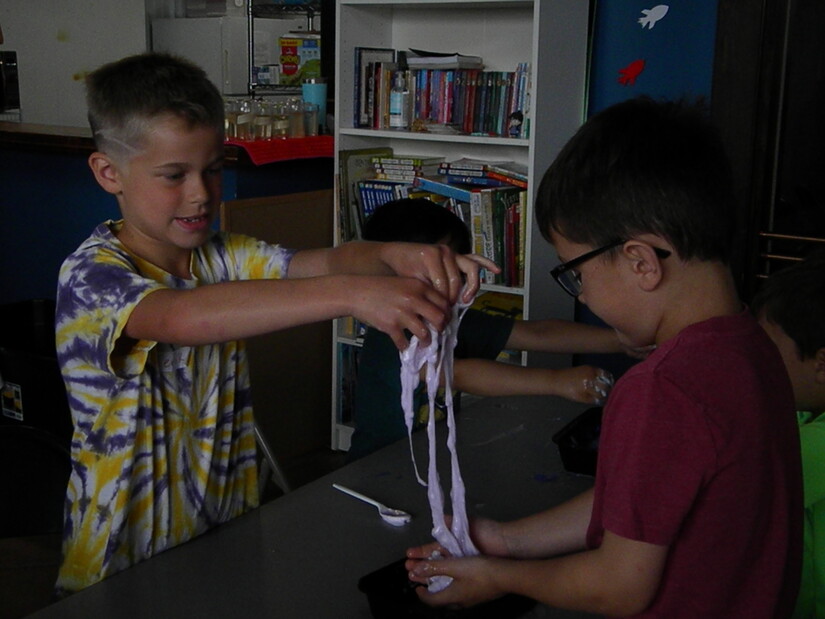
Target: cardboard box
300, 57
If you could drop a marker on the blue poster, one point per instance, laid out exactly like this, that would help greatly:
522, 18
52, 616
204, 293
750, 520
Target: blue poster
661, 50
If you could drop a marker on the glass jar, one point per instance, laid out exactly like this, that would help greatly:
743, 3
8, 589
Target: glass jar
246, 116
262, 123
295, 110
310, 118
280, 121
231, 108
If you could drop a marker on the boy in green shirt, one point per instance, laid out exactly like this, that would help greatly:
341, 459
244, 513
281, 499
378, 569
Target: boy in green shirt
791, 306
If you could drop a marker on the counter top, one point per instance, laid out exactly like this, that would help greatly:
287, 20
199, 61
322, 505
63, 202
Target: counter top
46, 137
78, 140
302, 555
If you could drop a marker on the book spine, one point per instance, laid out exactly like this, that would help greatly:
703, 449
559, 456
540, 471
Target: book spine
515, 182
522, 227
506, 172
477, 223
481, 181
488, 233
356, 88
458, 98
459, 170
510, 246
370, 90
444, 189
464, 166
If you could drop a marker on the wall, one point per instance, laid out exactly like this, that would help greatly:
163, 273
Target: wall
58, 42
677, 50
50, 203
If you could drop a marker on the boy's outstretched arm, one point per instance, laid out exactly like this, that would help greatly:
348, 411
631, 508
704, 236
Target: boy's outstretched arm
584, 383
437, 265
564, 336
241, 309
356, 279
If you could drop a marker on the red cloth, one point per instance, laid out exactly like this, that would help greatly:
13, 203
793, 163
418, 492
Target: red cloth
269, 151
699, 452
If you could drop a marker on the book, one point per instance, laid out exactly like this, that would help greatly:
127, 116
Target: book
491, 210
437, 185
476, 225
364, 57
420, 59
506, 179
510, 169
382, 84
468, 163
413, 160
505, 201
354, 165
481, 181
524, 201
376, 192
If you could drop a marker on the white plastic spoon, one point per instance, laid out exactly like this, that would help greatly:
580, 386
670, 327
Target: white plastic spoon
395, 517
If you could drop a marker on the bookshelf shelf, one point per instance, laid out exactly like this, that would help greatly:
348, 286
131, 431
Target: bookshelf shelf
550, 35
503, 289
442, 3
439, 137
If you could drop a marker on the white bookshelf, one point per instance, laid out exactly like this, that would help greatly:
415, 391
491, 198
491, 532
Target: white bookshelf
551, 35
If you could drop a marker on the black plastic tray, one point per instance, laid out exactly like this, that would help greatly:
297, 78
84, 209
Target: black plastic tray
392, 596
578, 442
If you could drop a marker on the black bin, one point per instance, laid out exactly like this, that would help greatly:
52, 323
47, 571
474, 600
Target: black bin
578, 442
391, 595
33, 393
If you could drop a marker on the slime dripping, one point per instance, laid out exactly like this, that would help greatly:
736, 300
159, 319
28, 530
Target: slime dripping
438, 358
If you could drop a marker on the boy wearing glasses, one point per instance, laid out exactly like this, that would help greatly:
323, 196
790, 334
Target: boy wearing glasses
697, 504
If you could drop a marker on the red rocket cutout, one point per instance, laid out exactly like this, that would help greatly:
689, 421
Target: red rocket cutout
628, 75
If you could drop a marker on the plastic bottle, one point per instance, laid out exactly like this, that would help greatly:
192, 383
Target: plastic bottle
399, 103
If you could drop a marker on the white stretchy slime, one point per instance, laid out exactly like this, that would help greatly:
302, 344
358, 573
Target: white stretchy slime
438, 357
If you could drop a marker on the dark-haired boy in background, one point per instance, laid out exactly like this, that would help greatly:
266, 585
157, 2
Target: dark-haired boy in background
790, 306
379, 419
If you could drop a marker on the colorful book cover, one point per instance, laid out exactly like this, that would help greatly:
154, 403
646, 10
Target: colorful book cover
355, 165
436, 185
365, 56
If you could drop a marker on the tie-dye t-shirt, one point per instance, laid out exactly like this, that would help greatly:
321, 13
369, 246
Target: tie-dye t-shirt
163, 446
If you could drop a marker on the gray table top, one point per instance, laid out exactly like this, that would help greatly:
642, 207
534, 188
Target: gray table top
301, 555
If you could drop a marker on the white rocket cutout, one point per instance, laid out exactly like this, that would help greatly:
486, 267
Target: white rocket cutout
651, 16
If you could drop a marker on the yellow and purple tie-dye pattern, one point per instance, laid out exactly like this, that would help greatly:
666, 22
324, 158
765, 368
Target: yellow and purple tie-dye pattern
163, 446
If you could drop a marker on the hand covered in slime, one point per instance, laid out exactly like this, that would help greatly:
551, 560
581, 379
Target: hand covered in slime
438, 358
470, 577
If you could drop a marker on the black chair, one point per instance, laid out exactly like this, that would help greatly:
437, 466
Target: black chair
34, 472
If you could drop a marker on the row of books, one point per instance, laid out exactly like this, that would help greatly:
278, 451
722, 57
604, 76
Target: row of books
494, 214
468, 100
486, 173
473, 101
496, 220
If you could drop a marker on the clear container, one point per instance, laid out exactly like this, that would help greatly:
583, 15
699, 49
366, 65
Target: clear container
262, 123
295, 110
280, 121
231, 108
310, 119
246, 116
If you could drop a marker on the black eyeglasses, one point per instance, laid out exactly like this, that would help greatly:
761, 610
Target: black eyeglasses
571, 280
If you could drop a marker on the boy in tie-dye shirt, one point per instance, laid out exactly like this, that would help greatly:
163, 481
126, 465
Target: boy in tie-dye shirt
152, 311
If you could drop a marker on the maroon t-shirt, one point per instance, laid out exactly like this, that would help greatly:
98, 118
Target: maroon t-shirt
699, 451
